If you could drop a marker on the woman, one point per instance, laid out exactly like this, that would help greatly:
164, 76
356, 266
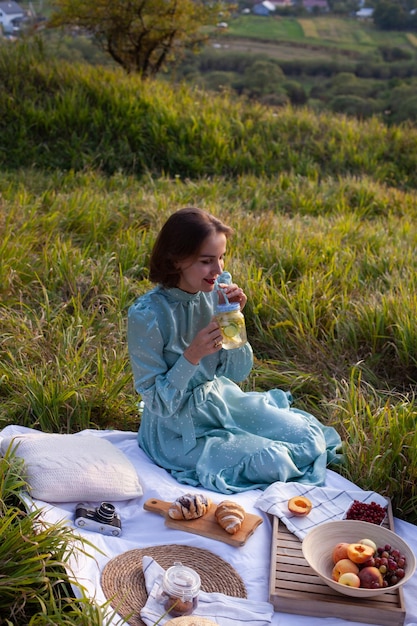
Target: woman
196, 421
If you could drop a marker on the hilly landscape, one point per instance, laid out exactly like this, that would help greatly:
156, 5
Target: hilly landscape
327, 62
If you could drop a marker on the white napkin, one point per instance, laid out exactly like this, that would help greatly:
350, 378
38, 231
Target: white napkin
222, 609
328, 504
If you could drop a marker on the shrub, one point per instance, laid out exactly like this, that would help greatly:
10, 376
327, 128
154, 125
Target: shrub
405, 110
263, 77
353, 105
36, 586
395, 53
217, 81
277, 99
296, 92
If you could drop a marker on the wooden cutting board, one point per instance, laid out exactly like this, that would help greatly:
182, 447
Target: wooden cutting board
207, 526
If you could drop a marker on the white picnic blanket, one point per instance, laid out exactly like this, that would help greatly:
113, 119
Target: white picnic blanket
142, 529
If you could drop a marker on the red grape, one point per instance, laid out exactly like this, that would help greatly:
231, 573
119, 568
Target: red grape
392, 564
372, 512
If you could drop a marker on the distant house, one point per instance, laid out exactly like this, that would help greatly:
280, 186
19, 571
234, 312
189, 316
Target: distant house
279, 4
364, 14
11, 14
263, 8
316, 6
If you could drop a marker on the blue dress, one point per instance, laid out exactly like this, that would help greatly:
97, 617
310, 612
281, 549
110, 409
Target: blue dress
198, 423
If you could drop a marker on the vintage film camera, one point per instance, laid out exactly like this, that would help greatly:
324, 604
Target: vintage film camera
103, 519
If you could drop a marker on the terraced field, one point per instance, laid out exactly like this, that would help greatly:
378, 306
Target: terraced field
310, 37
284, 50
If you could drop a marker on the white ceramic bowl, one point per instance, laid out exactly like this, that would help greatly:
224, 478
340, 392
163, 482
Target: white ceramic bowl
319, 543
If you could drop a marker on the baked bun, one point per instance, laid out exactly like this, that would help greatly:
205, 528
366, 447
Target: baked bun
230, 516
189, 506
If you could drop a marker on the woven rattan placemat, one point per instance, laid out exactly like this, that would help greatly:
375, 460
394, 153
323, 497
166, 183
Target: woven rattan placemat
123, 581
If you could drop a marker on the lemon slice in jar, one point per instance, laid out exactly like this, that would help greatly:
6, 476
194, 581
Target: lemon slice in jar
231, 330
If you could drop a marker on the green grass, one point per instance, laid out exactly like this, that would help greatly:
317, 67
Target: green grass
181, 132
258, 27
273, 29
328, 266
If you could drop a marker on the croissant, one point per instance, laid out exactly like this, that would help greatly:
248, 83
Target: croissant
189, 506
230, 516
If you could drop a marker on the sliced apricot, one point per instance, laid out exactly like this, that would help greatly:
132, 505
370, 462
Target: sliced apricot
359, 552
300, 505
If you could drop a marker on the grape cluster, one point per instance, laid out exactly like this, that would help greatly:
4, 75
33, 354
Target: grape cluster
391, 563
372, 512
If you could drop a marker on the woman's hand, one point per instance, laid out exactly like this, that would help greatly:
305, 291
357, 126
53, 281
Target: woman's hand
234, 294
207, 341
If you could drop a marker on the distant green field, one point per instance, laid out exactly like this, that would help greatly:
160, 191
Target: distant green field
266, 28
325, 32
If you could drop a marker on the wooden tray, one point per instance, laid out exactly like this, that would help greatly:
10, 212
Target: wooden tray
295, 588
207, 525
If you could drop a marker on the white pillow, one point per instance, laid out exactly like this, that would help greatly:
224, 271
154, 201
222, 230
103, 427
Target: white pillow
70, 468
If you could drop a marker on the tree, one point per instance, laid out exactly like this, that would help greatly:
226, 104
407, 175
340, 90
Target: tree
389, 15
263, 77
141, 35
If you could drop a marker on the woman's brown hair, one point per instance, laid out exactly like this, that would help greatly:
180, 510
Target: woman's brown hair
181, 238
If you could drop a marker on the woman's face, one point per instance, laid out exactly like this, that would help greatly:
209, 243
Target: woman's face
199, 274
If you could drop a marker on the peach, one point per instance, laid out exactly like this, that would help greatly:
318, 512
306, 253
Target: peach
350, 579
300, 505
369, 542
342, 567
339, 552
359, 552
371, 578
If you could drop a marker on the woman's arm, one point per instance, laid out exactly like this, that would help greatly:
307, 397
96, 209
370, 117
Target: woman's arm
161, 387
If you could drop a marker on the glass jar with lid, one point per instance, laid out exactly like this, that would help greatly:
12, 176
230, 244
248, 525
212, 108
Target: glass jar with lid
232, 325
179, 590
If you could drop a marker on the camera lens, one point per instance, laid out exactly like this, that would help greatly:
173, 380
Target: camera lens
106, 511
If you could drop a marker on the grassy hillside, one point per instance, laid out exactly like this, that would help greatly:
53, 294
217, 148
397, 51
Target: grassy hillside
57, 115
323, 207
